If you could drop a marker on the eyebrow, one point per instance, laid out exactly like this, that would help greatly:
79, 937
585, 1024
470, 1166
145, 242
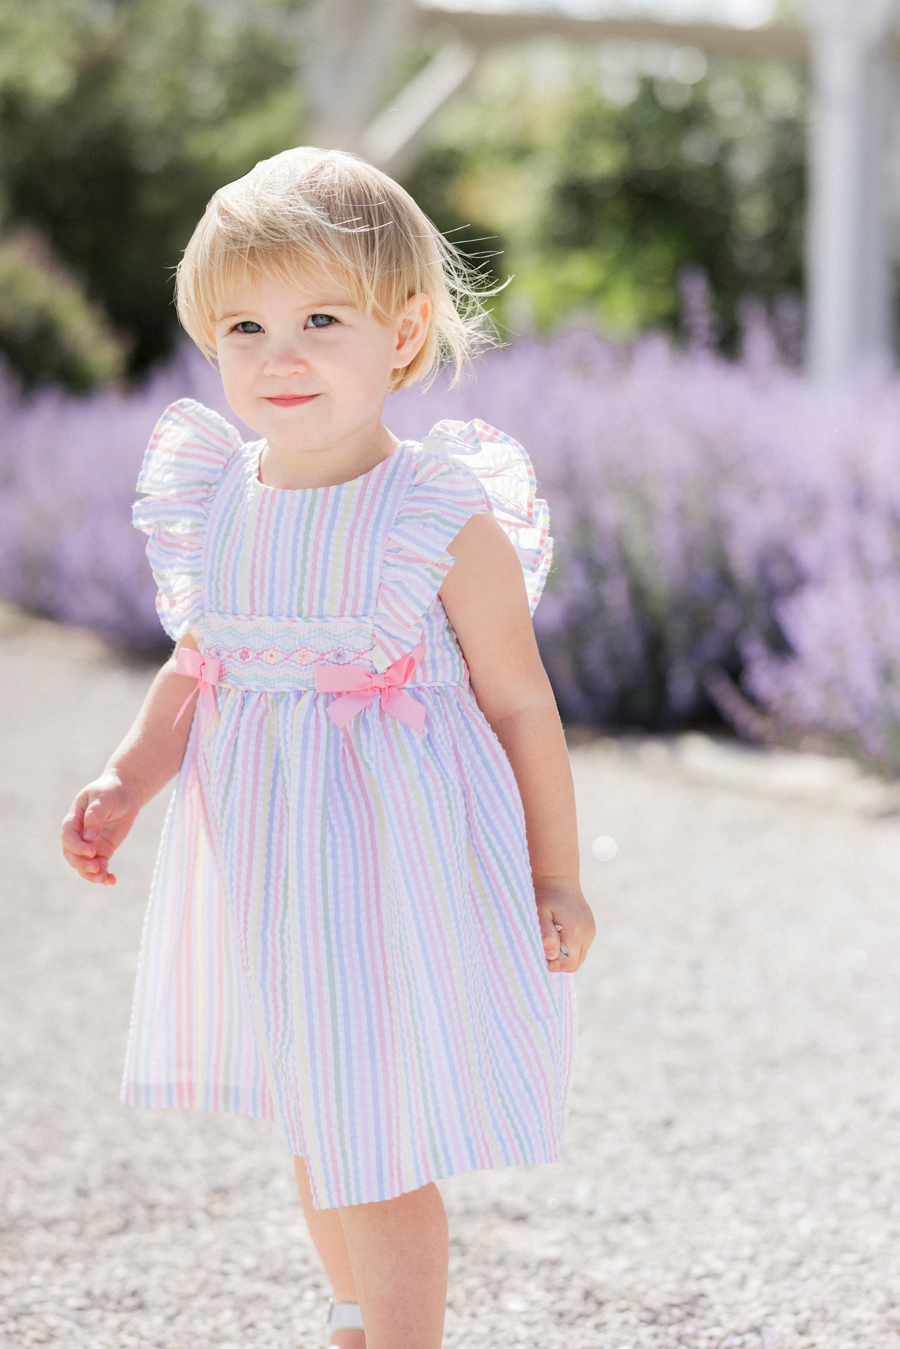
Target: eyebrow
319, 304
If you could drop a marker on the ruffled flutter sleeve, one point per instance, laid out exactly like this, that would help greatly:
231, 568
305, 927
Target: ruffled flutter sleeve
185, 458
465, 468
438, 501
505, 473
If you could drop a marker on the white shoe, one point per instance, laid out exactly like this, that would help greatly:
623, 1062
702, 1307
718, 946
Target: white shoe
344, 1316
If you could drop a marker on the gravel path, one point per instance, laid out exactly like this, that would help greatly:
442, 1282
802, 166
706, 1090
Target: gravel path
732, 1175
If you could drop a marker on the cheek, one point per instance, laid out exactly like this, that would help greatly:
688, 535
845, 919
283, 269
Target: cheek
354, 373
234, 368
375, 365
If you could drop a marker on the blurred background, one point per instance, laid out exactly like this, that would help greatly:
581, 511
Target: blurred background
696, 203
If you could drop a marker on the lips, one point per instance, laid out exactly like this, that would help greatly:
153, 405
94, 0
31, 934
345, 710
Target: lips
292, 400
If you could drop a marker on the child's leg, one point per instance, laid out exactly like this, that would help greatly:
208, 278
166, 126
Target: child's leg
399, 1252
396, 1254
327, 1232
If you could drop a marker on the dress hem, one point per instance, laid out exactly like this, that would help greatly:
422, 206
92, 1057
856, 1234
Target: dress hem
544, 1156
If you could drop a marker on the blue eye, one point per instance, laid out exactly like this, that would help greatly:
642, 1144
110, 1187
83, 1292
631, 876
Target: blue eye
247, 326
320, 321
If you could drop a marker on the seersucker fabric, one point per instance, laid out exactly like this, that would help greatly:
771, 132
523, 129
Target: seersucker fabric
342, 933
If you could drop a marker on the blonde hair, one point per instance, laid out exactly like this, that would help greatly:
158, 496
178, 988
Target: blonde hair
309, 209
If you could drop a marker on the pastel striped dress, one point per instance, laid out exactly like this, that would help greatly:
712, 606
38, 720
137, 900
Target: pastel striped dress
342, 932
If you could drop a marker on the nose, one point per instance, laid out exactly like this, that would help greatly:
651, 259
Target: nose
285, 359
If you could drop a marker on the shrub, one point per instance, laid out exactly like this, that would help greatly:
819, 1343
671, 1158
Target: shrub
67, 476
727, 535
118, 121
49, 331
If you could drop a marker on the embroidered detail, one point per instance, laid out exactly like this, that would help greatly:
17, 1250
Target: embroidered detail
258, 652
302, 656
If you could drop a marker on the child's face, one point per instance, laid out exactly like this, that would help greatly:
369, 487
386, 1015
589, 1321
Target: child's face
307, 369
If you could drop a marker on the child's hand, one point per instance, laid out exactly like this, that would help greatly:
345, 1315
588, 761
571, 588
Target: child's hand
100, 817
566, 920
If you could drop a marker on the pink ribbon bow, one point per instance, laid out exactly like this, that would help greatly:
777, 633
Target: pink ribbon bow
202, 668
359, 686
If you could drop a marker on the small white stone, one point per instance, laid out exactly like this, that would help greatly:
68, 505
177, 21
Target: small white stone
515, 1304
604, 848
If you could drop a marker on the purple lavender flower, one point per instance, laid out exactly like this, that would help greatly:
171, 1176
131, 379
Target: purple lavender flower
727, 535
67, 483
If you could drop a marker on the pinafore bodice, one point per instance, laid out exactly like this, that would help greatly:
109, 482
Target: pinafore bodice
274, 582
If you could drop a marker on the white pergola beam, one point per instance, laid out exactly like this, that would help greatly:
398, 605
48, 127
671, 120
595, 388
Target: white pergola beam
351, 44
393, 137
484, 30
395, 134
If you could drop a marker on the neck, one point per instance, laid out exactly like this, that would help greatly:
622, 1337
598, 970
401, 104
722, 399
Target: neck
326, 467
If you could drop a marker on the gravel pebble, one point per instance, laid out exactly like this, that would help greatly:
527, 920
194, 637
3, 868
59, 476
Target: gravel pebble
732, 1176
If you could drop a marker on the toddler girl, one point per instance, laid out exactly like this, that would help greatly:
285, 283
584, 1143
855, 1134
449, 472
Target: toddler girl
366, 906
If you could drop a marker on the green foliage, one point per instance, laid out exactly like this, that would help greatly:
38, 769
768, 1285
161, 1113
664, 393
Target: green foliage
593, 175
48, 329
117, 123
602, 182
432, 182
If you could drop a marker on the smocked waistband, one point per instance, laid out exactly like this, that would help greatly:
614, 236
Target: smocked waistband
354, 686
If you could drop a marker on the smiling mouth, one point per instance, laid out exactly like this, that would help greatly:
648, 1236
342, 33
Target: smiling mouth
292, 400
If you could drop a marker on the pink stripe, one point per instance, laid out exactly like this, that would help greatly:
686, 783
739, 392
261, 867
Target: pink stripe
385, 998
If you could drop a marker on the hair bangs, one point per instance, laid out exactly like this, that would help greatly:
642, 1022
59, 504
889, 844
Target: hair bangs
308, 212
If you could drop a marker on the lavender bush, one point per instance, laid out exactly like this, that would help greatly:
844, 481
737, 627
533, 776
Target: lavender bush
727, 536
67, 476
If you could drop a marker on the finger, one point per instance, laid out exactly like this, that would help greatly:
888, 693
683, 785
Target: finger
561, 961
74, 858
562, 955
73, 843
81, 827
549, 934
101, 877
95, 816
570, 963
71, 831
89, 868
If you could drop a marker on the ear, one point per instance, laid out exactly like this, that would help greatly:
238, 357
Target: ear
413, 323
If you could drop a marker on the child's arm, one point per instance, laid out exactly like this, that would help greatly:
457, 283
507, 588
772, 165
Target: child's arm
149, 757
485, 599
